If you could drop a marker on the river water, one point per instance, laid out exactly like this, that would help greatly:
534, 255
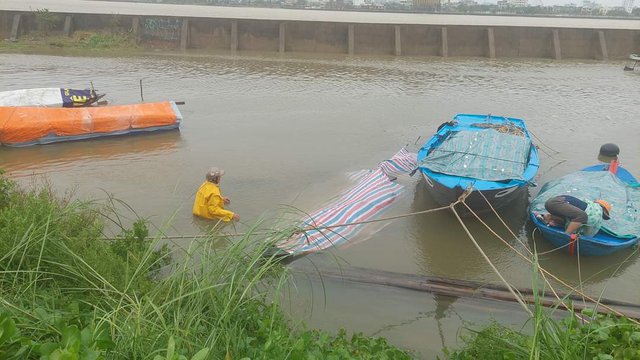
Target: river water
288, 129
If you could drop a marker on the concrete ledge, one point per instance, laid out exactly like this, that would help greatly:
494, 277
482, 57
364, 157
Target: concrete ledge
351, 17
242, 34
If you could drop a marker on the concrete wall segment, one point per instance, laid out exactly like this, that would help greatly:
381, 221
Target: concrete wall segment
192, 11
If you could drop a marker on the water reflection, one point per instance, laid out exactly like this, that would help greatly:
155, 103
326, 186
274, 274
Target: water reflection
592, 270
444, 247
36, 159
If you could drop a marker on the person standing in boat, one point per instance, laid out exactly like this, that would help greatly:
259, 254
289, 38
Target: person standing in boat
209, 203
580, 215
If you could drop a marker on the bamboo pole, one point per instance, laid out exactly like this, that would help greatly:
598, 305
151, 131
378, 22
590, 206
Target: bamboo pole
458, 288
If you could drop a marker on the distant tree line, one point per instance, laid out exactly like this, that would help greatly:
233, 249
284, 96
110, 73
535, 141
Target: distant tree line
461, 8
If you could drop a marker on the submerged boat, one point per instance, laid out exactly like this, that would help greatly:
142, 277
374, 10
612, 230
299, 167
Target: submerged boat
23, 126
491, 155
49, 97
621, 190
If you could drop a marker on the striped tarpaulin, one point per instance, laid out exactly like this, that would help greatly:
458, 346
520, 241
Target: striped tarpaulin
372, 194
403, 162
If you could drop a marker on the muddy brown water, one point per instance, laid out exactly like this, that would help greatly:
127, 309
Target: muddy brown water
289, 129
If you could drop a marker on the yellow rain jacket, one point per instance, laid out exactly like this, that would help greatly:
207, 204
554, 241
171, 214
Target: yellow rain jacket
209, 203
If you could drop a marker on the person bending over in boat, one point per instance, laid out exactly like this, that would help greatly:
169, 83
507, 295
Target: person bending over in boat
209, 203
581, 215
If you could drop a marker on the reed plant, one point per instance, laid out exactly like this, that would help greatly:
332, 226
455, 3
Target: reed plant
66, 293
555, 334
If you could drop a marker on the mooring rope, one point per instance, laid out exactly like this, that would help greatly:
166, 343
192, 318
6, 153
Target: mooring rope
513, 248
562, 282
518, 297
546, 272
461, 199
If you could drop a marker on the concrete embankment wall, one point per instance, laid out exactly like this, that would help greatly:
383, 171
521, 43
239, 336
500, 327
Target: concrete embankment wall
341, 37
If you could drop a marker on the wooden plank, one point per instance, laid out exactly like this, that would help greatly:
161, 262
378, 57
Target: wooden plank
459, 288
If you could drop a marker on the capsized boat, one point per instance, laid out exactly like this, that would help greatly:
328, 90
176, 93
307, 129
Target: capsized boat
492, 155
50, 97
621, 190
23, 126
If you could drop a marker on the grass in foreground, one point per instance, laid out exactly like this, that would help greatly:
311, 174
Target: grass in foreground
587, 335
66, 294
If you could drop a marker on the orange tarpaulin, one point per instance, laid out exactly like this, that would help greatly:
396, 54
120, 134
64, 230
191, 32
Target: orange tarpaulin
33, 125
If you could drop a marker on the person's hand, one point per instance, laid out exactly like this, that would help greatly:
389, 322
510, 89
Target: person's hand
235, 217
226, 200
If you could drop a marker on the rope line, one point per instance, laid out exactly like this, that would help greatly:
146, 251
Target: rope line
562, 282
461, 199
515, 250
518, 297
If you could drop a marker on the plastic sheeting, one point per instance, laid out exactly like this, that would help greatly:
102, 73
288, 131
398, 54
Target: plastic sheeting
592, 185
484, 154
20, 126
49, 97
372, 194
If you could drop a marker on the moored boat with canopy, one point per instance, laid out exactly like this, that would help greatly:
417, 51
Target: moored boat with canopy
621, 190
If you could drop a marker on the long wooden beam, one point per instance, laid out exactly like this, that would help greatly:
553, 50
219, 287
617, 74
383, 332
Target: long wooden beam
459, 288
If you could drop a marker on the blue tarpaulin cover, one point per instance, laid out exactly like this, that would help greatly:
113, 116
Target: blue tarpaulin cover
483, 154
592, 185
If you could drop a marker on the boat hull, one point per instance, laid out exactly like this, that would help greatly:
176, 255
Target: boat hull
492, 187
602, 243
478, 201
24, 126
599, 245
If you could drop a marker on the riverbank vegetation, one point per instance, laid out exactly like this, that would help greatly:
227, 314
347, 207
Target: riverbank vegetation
66, 293
80, 40
49, 36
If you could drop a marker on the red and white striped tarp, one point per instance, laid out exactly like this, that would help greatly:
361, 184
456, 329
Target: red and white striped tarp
339, 221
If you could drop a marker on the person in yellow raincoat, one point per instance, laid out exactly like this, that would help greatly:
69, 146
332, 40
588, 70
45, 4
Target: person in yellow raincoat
209, 203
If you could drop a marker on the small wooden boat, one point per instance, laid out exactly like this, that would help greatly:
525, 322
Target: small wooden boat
636, 59
492, 155
50, 97
23, 126
621, 190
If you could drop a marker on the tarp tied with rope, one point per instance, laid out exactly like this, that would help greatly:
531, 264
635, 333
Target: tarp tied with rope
338, 222
591, 185
485, 154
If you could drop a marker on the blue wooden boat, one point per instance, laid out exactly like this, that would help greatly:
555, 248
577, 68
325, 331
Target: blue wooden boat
493, 155
605, 241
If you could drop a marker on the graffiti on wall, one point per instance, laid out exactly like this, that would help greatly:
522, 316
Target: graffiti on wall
158, 28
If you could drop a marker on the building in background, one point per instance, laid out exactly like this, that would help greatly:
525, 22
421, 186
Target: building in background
518, 3
426, 4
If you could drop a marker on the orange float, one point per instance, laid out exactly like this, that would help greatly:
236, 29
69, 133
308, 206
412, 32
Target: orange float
24, 126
